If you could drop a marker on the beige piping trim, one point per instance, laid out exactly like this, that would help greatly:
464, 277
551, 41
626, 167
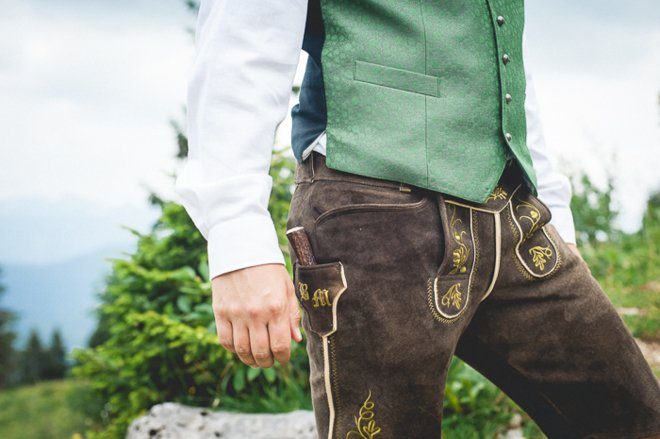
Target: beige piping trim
328, 387
498, 254
469, 285
520, 240
326, 355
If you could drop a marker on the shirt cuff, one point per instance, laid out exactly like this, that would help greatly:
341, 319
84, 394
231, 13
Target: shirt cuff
562, 219
242, 243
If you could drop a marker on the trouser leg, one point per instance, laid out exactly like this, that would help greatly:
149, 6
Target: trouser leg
379, 350
549, 336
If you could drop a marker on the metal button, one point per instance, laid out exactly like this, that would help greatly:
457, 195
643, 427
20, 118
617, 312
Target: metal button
500, 20
505, 58
508, 137
508, 98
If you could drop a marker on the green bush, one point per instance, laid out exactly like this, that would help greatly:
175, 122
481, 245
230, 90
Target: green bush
156, 339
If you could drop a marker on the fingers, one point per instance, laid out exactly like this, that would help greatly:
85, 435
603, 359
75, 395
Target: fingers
260, 345
280, 338
225, 333
242, 344
294, 317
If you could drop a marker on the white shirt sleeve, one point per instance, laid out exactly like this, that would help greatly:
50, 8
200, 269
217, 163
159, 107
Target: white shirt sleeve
554, 188
238, 93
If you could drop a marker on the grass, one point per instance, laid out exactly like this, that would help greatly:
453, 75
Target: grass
40, 411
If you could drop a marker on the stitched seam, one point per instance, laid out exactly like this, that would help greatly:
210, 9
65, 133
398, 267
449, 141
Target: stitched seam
475, 241
369, 207
520, 241
394, 186
431, 305
517, 263
333, 376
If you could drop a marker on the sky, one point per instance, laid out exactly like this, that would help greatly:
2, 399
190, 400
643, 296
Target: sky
88, 90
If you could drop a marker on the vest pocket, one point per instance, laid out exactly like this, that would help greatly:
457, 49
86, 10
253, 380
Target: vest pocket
318, 289
400, 79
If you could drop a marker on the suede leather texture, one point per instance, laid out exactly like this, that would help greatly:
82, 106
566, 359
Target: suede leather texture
416, 91
408, 278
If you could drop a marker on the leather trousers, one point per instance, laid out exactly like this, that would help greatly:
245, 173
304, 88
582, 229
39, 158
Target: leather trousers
406, 278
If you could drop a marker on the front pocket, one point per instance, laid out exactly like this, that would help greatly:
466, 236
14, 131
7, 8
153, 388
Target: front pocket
382, 207
331, 197
318, 289
399, 79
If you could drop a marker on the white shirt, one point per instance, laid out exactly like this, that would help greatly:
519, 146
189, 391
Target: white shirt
238, 93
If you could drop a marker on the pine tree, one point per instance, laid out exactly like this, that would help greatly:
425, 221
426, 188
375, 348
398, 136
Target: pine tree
7, 337
55, 366
32, 359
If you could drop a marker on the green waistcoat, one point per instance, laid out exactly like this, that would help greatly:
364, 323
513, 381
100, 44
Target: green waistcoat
428, 92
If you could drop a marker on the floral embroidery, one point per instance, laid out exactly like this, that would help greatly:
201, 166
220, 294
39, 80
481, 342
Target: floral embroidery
534, 217
497, 194
365, 424
453, 297
460, 253
539, 255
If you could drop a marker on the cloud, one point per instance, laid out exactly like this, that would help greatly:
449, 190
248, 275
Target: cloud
87, 95
88, 89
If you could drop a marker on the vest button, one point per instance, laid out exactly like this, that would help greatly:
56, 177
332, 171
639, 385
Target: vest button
505, 59
508, 137
508, 98
500, 20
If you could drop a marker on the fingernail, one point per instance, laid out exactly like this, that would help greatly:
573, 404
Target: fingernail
298, 333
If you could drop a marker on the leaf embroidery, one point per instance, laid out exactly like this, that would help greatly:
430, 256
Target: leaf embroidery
460, 253
533, 217
498, 193
453, 297
539, 255
365, 424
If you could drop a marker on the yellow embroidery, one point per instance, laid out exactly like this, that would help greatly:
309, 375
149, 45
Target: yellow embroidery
304, 290
460, 253
539, 255
366, 427
534, 217
320, 298
498, 193
453, 297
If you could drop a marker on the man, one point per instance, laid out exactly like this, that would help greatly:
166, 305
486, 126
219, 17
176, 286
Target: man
426, 192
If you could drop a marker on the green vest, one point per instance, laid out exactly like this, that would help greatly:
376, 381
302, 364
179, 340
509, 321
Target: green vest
429, 93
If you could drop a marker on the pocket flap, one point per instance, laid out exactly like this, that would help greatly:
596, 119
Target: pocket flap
318, 288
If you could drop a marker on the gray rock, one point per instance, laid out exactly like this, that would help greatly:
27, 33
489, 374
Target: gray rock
176, 421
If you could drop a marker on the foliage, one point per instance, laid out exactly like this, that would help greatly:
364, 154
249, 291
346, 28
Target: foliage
157, 340
473, 406
32, 359
628, 269
41, 411
594, 211
7, 337
54, 365
37, 362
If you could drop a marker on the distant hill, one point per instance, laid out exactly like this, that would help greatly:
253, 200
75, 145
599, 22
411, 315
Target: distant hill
40, 231
52, 258
58, 295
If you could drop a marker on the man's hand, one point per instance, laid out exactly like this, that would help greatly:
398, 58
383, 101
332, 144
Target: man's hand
256, 313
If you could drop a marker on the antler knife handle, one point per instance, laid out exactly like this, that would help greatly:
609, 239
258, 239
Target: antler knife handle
301, 246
